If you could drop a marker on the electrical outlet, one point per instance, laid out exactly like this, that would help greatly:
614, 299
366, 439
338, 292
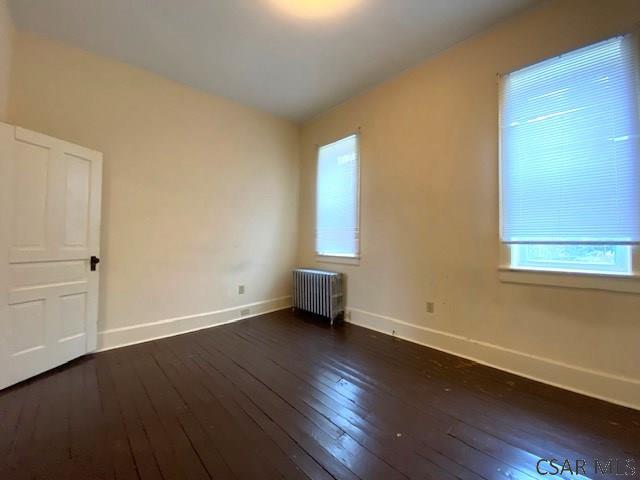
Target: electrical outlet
240, 289
244, 312
430, 307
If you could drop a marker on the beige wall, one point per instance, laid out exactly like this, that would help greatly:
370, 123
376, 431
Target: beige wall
199, 193
6, 36
430, 212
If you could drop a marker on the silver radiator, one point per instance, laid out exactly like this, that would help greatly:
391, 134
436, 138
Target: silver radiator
319, 292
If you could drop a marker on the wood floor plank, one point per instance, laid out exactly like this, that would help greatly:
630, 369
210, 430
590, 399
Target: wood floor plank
329, 451
161, 431
500, 410
258, 441
457, 448
462, 450
492, 383
48, 452
312, 355
168, 406
348, 416
87, 456
116, 442
147, 465
284, 397
15, 401
228, 436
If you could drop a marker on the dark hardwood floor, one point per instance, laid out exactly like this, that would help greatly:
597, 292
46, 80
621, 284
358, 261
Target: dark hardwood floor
279, 396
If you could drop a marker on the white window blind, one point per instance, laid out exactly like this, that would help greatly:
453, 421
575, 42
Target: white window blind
570, 166
337, 209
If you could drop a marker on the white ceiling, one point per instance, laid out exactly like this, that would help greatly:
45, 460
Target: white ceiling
249, 51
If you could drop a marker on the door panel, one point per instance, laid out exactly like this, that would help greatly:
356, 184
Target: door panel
27, 329
24, 275
78, 179
30, 172
27, 349
49, 295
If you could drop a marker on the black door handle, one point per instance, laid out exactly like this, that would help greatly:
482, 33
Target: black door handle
93, 262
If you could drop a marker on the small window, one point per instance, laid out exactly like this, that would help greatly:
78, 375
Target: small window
570, 160
337, 199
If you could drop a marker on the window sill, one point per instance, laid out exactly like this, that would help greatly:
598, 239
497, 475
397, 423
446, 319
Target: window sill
341, 260
589, 281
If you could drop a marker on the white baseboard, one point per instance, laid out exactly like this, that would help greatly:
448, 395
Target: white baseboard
121, 337
616, 389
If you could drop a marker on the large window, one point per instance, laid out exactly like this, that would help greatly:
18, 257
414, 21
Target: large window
570, 166
337, 205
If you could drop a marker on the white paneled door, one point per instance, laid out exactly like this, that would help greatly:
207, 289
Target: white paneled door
50, 194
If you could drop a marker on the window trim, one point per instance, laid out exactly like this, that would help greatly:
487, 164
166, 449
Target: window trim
614, 282
333, 258
342, 260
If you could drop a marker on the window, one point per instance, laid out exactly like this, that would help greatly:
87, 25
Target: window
570, 160
613, 259
337, 206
